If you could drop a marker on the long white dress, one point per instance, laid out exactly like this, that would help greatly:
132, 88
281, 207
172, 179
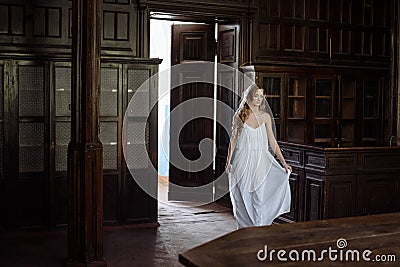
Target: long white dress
259, 185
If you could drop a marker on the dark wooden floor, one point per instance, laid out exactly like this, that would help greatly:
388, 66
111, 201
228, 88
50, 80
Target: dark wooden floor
181, 228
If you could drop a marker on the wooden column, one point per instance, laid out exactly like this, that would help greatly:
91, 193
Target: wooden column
85, 152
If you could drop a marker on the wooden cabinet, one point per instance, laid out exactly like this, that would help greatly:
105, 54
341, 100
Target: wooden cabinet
25, 142
327, 70
294, 157
342, 32
35, 120
327, 108
341, 182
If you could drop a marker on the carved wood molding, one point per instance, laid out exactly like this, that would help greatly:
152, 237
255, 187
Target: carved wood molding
40, 27
219, 7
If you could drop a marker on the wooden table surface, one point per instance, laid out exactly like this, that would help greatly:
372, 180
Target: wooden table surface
378, 233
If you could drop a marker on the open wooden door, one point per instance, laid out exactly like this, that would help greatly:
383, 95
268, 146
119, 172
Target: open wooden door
190, 43
228, 54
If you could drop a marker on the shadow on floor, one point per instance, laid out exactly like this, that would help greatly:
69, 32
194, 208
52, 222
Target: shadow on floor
181, 228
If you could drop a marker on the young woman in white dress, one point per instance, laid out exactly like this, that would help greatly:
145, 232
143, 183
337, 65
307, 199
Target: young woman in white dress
259, 185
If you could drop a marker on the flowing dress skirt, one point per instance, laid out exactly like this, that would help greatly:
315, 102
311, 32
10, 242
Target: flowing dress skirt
259, 185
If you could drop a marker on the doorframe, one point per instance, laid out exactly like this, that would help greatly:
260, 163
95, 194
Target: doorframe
244, 20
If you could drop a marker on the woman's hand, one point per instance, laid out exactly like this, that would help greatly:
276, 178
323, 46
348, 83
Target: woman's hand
287, 168
228, 167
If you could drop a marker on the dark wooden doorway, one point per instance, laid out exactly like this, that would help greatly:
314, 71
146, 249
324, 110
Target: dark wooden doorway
227, 93
191, 43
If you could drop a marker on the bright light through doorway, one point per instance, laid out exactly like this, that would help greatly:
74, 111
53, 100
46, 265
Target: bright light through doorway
160, 47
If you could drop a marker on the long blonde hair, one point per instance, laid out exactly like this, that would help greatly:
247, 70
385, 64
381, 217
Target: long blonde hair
243, 112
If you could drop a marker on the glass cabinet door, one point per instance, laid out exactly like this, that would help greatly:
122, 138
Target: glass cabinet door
31, 112
370, 112
324, 118
109, 116
296, 117
272, 88
62, 118
348, 112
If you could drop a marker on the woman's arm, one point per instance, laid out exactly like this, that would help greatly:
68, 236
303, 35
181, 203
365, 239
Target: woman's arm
274, 144
232, 145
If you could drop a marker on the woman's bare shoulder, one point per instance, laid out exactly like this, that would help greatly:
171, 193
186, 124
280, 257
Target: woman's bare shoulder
236, 118
265, 116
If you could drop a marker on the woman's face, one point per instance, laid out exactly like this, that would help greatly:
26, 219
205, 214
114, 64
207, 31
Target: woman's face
257, 98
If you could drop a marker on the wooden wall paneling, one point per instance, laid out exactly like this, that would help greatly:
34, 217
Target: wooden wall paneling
4, 22
13, 19
337, 163
40, 27
341, 196
17, 17
268, 35
143, 32
212, 8
294, 157
296, 182
373, 161
379, 194
314, 161
120, 29
314, 198
35, 27
47, 21
328, 32
110, 180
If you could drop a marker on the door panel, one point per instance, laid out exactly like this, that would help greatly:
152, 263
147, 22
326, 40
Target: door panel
228, 53
139, 181
190, 43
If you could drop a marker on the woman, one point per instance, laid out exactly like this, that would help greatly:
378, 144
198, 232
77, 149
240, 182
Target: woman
259, 186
